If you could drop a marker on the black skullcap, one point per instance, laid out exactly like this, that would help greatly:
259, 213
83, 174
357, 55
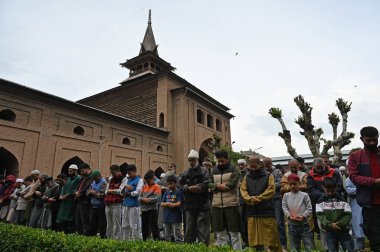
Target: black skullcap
369, 131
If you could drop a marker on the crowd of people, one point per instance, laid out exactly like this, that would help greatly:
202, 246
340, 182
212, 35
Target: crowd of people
247, 205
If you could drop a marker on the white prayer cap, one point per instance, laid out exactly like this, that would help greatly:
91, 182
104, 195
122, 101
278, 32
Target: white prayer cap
242, 161
193, 154
19, 180
73, 166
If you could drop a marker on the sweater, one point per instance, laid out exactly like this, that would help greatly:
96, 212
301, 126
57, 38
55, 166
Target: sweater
297, 204
152, 192
333, 209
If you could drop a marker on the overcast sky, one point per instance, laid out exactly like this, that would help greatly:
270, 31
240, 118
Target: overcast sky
320, 49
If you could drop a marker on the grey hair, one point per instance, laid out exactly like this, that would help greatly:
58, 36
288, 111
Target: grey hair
293, 160
318, 161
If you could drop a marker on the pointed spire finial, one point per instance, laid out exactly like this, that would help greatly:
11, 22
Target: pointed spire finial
150, 17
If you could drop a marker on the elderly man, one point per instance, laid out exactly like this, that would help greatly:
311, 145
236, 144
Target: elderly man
224, 182
66, 211
258, 190
39, 203
194, 183
277, 174
364, 170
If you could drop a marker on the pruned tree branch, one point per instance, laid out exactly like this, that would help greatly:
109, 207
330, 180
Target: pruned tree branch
285, 134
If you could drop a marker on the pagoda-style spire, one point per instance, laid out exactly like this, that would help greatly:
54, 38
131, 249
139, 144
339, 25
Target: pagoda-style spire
149, 44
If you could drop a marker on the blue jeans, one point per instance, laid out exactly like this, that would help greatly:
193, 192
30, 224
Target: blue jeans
298, 233
280, 221
333, 238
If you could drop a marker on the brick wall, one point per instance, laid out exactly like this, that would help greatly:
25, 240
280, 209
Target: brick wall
137, 102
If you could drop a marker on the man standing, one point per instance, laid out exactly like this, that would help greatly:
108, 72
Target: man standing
194, 182
258, 190
82, 216
66, 212
302, 166
39, 203
364, 170
113, 200
224, 182
277, 174
98, 215
242, 164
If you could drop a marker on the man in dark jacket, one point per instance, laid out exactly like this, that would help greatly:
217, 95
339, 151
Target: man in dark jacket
364, 170
194, 183
83, 209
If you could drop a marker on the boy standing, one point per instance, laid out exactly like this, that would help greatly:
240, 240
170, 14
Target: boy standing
335, 216
149, 197
131, 222
297, 209
171, 202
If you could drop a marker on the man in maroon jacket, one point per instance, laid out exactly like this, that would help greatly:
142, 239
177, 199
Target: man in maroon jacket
364, 170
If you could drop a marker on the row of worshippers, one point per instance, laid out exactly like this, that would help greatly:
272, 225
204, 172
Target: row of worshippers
121, 207
310, 200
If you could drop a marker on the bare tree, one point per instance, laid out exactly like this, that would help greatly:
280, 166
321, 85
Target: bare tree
312, 134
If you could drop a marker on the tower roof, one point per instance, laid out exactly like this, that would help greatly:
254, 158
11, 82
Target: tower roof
149, 44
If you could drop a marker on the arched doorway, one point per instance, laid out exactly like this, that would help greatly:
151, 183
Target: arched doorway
158, 172
75, 160
205, 150
8, 163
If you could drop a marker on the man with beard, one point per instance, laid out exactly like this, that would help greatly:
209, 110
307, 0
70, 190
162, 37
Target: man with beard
277, 174
38, 203
49, 199
194, 183
364, 170
66, 212
258, 190
302, 166
294, 168
224, 182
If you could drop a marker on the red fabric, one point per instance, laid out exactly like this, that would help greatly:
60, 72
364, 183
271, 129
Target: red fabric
375, 171
114, 184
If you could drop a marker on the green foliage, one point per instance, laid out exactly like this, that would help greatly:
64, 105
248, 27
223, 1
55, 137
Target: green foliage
20, 238
333, 119
275, 112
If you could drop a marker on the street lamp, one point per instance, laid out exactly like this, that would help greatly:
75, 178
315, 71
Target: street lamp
102, 140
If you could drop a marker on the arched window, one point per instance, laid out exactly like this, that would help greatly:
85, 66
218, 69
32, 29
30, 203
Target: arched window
159, 148
200, 116
79, 130
210, 121
161, 121
126, 141
218, 125
8, 115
